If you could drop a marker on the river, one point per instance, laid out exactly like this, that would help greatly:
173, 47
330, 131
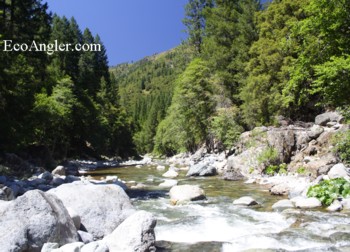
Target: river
216, 224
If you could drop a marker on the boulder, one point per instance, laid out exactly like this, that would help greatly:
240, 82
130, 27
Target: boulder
280, 189
345, 204
97, 246
160, 167
101, 207
57, 181
136, 233
33, 219
48, 247
168, 183
283, 141
3, 179
85, 237
170, 174
335, 206
183, 193
338, 171
71, 178
245, 201
75, 217
307, 203
70, 247
315, 131
46, 175
6, 193
324, 118
59, 170
283, 204
201, 169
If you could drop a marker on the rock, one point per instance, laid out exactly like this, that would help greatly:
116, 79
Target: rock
101, 207
338, 171
111, 179
97, 246
160, 167
279, 189
315, 132
46, 175
345, 204
201, 169
85, 237
6, 193
324, 118
283, 141
168, 183
75, 217
70, 247
71, 178
233, 175
33, 219
335, 206
308, 203
170, 174
283, 204
245, 201
57, 181
48, 247
183, 193
44, 187
59, 170
3, 179
136, 233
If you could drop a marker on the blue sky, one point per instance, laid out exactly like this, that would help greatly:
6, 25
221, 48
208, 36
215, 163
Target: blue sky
130, 29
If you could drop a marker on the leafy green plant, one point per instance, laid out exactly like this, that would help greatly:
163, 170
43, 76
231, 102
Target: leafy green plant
329, 190
251, 170
301, 170
342, 146
274, 169
268, 156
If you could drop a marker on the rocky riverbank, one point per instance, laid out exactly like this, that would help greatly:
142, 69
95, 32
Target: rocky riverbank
61, 211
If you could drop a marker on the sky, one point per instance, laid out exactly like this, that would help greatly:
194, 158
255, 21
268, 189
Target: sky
129, 29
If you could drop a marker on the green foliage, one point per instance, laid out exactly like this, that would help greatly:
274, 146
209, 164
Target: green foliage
341, 143
301, 170
186, 125
225, 127
329, 190
274, 169
268, 156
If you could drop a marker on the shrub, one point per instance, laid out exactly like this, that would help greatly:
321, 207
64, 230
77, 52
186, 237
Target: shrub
273, 169
329, 190
342, 146
301, 170
268, 156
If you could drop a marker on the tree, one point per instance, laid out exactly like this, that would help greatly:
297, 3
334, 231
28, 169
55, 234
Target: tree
230, 30
195, 21
271, 57
186, 125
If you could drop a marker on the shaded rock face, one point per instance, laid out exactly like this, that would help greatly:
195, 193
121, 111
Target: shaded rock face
324, 118
201, 169
101, 207
307, 149
136, 233
33, 219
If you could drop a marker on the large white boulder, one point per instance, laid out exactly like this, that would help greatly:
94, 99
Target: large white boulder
183, 193
245, 201
33, 219
101, 207
306, 203
136, 233
338, 171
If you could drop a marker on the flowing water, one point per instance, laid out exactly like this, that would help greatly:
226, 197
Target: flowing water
216, 224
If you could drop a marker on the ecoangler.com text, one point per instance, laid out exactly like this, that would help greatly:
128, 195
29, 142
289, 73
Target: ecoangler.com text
50, 48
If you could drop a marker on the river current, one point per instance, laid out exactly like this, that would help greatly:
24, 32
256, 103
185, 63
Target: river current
216, 224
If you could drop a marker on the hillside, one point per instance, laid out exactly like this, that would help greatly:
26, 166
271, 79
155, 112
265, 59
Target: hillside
145, 90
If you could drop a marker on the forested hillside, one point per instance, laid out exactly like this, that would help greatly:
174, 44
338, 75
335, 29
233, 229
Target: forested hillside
252, 63
63, 103
146, 89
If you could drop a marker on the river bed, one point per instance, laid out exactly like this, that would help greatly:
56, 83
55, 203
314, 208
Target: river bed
216, 224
